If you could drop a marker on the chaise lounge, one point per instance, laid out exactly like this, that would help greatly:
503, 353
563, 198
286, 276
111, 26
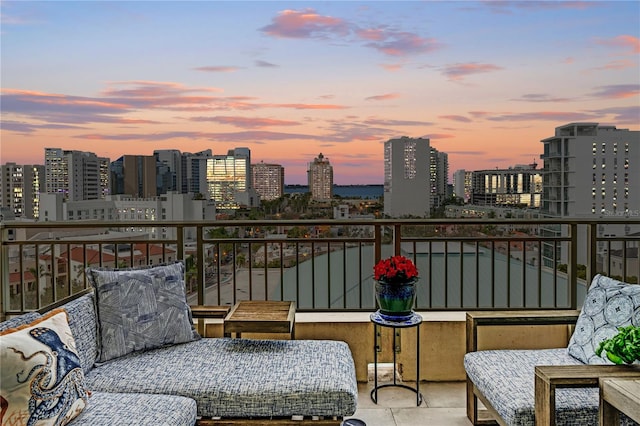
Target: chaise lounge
169, 375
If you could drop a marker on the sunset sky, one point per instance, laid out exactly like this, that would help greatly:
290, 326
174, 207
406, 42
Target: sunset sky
485, 81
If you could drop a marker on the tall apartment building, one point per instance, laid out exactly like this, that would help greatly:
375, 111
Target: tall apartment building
407, 177
229, 180
194, 172
268, 180
77, 175
462, 184
590, 171
520, 185
20, 187
438, 176
134, 175
320, 178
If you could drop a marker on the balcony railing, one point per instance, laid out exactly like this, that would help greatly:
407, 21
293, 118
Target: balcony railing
328, 264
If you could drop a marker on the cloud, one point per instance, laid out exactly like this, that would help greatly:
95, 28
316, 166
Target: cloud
217, 69
265, 64
459, 118
617, 91
403, 43
22, 127
509, 7
616, 65
458, 72
385, 97
246, 122
395, 123
627, 42
253, 136
557, 116
439, 136
540, 97
392, 67
308, 24
305, 24
622, 115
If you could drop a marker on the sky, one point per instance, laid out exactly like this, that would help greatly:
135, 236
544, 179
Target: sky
485, 81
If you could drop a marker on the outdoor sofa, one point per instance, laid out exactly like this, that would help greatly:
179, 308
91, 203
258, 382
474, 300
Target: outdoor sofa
179, 378
509, 383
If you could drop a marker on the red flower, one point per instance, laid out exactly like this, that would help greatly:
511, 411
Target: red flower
396, 269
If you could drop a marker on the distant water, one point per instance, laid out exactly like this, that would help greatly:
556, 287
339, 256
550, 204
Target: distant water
346, 191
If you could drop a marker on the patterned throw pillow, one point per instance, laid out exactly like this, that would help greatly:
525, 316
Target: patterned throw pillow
609, 304
41, 380
141, 308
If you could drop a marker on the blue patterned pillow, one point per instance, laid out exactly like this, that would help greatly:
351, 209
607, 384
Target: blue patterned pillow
41, 380
141, 309
608, 305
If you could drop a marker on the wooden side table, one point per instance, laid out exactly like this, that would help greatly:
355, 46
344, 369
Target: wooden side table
550, 377
619, 396
261, 316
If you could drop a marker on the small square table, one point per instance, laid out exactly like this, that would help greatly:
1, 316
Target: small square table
619, 396
261, 316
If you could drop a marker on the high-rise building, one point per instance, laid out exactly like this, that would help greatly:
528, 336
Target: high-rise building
268, 180
407, 177
134, 175
194, 172
170, 174
519, 186
438, 176
320, 178
462, 184
20, 187
77, 175
229, 180
591, 171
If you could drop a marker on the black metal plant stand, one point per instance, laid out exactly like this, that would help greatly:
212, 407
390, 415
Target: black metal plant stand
378, 321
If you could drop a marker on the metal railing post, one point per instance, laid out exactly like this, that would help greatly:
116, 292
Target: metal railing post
572, 267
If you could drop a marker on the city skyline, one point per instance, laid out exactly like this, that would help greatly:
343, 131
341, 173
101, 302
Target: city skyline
484, 81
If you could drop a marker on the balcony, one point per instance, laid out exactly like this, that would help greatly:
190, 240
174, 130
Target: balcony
326, 267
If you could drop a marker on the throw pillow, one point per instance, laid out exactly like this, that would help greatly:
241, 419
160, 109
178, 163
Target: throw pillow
41, 381
141, 309
609, 304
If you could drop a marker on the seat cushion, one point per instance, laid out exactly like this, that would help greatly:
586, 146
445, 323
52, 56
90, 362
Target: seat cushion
242, 377
109, 409
506, 379
140, 309
608, 305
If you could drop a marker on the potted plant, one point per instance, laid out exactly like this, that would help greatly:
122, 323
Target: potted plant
395, 287
624, 347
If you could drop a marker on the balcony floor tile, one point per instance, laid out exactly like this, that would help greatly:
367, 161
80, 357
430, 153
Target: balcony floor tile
443, 404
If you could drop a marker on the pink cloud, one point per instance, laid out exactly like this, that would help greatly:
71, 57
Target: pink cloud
404, 43
385, 97
617, 91
460, 71
392, 67
246, 122
217, 69
624, 42
616, 65
305, 24
459, 118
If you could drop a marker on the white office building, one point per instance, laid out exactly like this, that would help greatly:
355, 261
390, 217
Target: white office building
462, 184
438, 176
407, 177
229, 180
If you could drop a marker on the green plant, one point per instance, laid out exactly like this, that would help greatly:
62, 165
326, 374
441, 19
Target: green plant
624, 347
